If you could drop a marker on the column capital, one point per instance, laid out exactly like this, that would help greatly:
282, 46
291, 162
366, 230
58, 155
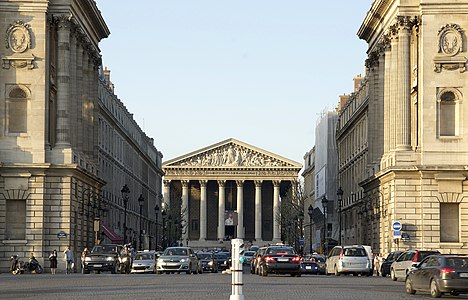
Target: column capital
203, 183
276, 183
166, 182
222, 183
258, 183
185, 183
240, 183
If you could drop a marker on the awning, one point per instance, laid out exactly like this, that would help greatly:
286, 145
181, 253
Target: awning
114, 237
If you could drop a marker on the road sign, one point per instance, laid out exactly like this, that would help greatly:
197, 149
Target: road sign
61, 235
301, 241
405, 236
396, 226
397, 234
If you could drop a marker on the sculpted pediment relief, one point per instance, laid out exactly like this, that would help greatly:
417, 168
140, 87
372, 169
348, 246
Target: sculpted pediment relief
231, 154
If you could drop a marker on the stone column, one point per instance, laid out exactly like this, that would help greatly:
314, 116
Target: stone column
63, 83
393, 90
404, 85
258, 210
276, 211
185, 209
79, 97
203, 219
221, 208
386, 97
167, 194
240, 209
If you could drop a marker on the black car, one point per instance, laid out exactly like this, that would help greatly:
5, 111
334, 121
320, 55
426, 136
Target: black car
387, 262
279, 260
313, 264
439, 274
103, 258
209, 262
223, 260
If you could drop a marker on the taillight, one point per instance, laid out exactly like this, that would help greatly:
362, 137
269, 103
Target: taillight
269, 259
415, 258
447, 271
296, 259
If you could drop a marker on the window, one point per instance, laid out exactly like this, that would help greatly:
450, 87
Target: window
15, 220
17, 110
448, 105
449, 222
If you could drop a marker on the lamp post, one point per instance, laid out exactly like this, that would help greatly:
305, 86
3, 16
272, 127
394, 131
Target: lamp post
125, 192
324, 243
339, 194
309, 212
141, 201
301, 224
156, 213
164, 228
169, 235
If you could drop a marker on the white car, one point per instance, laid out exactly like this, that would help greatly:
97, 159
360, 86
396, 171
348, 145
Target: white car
348, 260
144, 262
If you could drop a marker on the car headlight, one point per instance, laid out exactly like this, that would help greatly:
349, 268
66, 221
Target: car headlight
110, 259
184, 260
210, 263
87, 259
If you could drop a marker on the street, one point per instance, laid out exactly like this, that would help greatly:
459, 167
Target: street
202, 286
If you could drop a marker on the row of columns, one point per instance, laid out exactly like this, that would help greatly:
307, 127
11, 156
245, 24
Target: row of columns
222, 208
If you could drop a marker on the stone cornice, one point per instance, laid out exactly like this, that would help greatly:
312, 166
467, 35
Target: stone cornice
210, 173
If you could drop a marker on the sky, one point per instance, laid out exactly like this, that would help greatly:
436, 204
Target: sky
198, 72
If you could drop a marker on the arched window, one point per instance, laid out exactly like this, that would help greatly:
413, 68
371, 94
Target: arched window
448, 104
17, 110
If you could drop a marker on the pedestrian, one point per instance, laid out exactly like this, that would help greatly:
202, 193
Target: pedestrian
69, 259
83, 258
377, 262
53, 262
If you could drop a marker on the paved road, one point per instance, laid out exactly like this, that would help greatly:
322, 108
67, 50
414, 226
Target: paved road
198, 287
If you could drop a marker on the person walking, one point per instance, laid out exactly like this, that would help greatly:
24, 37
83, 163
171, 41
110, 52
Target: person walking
377, 263
83, 257
69, 259
53, 262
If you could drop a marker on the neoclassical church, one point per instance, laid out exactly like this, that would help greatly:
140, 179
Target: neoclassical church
228, 190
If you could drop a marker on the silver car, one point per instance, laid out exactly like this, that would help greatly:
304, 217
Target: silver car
348, 260
144, 262
178, 259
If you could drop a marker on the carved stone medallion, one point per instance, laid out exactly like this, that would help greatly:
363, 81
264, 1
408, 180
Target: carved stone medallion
18, 37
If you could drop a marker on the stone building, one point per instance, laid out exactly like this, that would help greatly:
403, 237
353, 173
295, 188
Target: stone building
227, 190
417, 129
308, 174
51, 176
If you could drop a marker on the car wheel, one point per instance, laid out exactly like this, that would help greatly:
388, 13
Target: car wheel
409, 287
115, 269
435, 292
383, 274
159, 272
189, 271
263, 271
393, 275
336, 271
97, 272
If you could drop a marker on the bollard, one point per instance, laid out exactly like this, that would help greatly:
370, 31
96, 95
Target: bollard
236, 269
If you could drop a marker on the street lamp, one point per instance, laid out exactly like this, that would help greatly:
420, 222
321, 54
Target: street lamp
156, 213
141, 201
301, 224
324, 205
309, 212
339, 194
125, 192
164, 229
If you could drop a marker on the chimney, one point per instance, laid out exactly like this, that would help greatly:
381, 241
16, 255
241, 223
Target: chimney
357, 82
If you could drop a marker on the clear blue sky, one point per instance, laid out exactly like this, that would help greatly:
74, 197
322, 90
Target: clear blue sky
196, 72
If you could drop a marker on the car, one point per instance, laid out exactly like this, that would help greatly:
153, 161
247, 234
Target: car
208, 261
313, 264
223, 260
255, 259
279, 260
144, 262
247, 257
370, 254
103, 258
253, 248
348, 260
178, 259
439, 274
387, 262
406, 261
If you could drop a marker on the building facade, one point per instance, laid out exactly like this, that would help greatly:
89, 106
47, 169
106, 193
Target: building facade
228, 190
51, 162
309, 200
417, 125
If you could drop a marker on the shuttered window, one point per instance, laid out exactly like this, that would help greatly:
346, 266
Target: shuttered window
449, 222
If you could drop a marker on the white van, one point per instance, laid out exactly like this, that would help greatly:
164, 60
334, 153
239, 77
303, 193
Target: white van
347, 260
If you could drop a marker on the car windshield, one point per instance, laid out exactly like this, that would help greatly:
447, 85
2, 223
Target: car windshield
280, 251
355, 252
249, 253
176, 251
424, 254
104, 249
318, 258
458, 262
204, 255
144, 256
221, 255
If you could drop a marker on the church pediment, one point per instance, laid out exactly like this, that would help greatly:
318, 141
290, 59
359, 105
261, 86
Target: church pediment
231, 153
